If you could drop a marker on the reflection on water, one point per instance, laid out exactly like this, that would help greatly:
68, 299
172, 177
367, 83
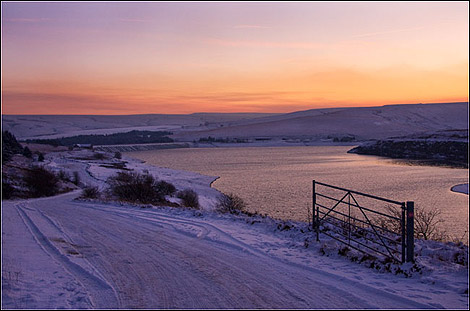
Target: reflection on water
278, 180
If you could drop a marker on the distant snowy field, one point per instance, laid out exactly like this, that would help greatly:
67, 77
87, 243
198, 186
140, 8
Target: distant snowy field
62, 253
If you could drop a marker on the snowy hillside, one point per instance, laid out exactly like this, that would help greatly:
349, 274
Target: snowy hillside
53, 126
363, 123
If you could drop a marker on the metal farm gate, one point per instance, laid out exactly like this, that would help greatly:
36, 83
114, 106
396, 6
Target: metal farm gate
365, 222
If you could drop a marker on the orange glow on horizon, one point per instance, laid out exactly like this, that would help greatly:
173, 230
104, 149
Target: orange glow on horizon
275, 57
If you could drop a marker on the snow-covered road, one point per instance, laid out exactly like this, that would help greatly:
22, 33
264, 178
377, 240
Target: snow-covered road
88, 255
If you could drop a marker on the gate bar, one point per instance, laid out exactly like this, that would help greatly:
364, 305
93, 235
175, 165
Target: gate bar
360, 193
365, 208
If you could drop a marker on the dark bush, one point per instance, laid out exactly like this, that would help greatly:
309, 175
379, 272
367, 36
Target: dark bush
7, 190
40, 182
40, 157
76, 178
230, 203
117, 155
27, 152
99, 156
134, 187
189, 198
165, 188
90, 192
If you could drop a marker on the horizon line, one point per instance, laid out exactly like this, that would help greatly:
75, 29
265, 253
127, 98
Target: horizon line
238, 112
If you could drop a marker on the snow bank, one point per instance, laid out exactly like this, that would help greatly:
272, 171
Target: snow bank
462, 188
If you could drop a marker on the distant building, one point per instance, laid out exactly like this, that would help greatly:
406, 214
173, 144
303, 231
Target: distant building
86, 146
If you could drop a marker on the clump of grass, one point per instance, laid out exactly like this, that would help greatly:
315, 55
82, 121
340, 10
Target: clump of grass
90, 192
189, 198
230, 203
76, 178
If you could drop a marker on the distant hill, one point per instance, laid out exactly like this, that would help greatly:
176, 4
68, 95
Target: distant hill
56, 126
362, 123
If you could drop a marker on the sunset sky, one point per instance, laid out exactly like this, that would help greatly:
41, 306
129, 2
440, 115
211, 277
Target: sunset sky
185, 57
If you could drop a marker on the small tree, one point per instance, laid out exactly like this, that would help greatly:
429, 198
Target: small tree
10, 146
40, 157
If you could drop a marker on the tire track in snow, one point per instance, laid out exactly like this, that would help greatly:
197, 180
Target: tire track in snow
100, 293
340, 283
151, 266
191, 273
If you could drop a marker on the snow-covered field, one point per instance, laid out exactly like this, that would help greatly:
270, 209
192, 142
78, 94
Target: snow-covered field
60, 252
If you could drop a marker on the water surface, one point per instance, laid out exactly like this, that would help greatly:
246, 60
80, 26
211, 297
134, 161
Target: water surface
278, 180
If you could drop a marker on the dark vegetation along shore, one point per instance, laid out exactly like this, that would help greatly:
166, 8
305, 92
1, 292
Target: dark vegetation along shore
426, 152
132, 137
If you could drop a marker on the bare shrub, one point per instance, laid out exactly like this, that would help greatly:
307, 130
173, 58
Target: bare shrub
135, 187
165, 188
90, 192
427, 225
230, 203
189, 198
41, 182
62, 175
389, 223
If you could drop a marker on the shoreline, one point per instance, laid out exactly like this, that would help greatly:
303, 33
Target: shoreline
187, 144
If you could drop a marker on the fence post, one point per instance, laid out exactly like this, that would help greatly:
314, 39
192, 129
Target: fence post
410, 209
403, 233
317, 224
314, 202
